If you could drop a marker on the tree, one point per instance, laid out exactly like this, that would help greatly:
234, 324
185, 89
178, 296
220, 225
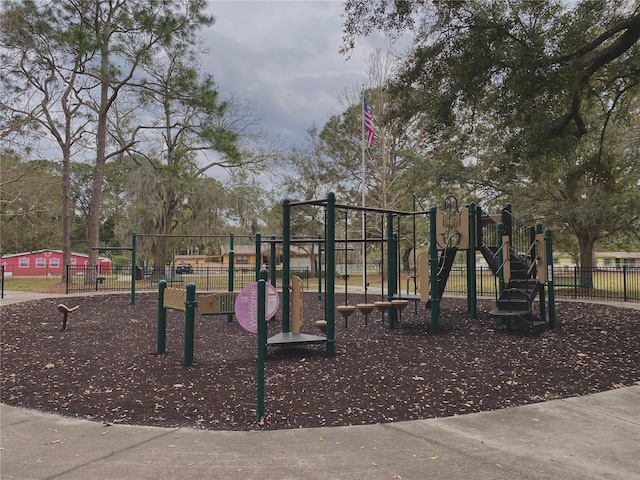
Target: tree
42, 86
401, 163
183, 111
107, 42
308, 177
529, 92
30, 221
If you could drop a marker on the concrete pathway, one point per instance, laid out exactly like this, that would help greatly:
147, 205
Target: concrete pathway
590, 437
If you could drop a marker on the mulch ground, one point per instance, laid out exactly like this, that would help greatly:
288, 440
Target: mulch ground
104, 366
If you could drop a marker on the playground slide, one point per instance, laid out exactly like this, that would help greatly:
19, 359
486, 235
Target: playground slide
445, 262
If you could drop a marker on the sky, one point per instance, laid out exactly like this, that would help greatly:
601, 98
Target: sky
284, 54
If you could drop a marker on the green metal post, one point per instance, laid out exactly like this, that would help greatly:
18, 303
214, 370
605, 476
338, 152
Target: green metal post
258, 255
433, 270
500, 259
272, 262
542, 297
286, 265
133, 268
330, 282
189, 323
319, 269
507, 222
162, 319
262, 343
472, 294
231, 273
392, 282
548, 241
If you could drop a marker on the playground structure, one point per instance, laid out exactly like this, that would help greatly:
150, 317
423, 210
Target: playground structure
523, 269
243, 304
519, 256
62, 308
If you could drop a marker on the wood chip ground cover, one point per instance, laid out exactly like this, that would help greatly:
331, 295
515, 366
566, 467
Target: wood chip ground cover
104, 366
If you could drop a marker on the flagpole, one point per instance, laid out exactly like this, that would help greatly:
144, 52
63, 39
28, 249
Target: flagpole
363, 189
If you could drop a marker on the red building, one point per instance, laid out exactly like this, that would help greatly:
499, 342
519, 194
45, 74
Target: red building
46, 262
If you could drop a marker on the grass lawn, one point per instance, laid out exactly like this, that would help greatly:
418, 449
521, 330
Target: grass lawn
42, 284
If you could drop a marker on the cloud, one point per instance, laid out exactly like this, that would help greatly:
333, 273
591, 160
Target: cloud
285, 55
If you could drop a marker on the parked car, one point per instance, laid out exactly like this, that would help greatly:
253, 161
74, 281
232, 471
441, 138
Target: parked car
184, 268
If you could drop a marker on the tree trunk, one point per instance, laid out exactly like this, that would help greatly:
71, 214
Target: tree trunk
406, 257
101, 158
586, 243
160, 253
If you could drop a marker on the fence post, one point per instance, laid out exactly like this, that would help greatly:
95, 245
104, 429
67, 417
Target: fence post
162, 318
624, 283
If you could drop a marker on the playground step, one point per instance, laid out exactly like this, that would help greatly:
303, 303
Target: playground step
520, 319
513, 305
531, 325
518, 295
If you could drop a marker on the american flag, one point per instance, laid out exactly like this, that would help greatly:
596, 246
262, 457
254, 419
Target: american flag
368, 123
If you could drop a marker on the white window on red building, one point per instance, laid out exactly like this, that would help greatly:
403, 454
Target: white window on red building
54, 262
41, 262
24, 262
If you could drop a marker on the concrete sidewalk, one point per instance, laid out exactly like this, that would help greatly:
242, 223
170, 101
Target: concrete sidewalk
592, 437
13, 296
